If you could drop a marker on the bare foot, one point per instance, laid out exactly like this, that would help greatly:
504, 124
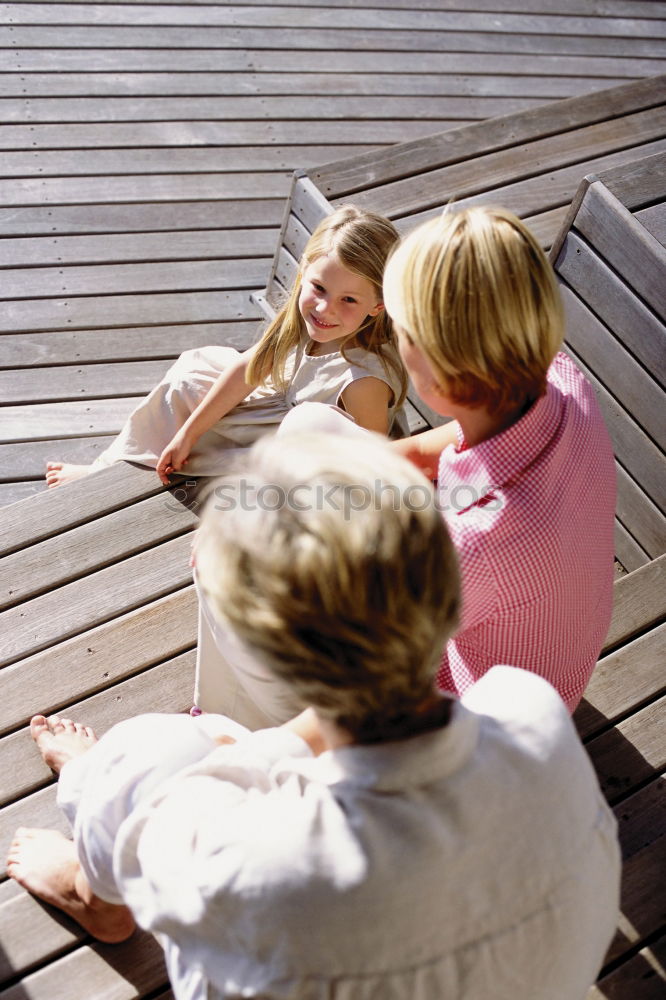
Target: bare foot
45, 863
58, 473
59, 740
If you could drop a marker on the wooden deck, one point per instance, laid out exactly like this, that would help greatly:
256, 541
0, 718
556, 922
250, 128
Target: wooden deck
146, 152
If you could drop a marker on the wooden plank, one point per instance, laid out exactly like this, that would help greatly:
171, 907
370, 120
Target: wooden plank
637, 603
114, 248
143, 188
635, 509
210, 133
502, 166
64, 347
641, 977
633, 386
14, 492
44, 110
654, 220
57, 420
97, 598
198, 306
74, 554
638, 183
346, 176
21, 61
67, 382
362, 17
123, 279
628, 552
622, 682
538, 194
630, 320
640, 457
221, 84
168, 160
625, 244
76, 503
103, 656
166, 687
124, 971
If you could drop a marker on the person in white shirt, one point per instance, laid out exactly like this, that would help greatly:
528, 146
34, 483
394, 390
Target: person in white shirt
389, 841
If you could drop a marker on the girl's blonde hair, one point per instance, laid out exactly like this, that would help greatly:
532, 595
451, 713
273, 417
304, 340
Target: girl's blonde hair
475, 292
334, 566
362, 242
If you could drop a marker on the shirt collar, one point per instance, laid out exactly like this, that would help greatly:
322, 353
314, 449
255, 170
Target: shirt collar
493, 463
402, 764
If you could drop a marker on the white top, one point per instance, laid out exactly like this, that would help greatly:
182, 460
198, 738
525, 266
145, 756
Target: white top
478, 861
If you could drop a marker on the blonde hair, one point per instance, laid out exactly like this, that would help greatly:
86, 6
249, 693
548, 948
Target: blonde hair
362, 242
335, 567
475, 292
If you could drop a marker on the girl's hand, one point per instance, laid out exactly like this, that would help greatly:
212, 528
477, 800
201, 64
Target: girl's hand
174, 456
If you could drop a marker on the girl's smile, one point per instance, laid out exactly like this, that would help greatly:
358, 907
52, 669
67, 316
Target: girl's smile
334, 302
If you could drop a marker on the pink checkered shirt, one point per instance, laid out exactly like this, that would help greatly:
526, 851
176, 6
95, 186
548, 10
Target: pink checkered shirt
531, 515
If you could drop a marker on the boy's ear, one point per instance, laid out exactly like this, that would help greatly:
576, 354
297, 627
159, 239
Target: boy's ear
377, 309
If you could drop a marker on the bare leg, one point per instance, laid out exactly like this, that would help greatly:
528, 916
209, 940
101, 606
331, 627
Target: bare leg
58, 473
45, 862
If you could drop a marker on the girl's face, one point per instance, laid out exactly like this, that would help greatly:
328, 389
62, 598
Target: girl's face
334, 302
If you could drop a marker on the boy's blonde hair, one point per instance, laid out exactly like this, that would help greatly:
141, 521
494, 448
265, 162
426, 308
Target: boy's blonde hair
362, 242
334, 566
475, 292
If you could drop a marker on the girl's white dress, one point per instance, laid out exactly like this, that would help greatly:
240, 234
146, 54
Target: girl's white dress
150, 427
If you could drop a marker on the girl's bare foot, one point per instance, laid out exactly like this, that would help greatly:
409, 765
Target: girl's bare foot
59, 740
45, 863
58, 473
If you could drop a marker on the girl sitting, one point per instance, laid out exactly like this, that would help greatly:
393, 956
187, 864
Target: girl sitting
330, 343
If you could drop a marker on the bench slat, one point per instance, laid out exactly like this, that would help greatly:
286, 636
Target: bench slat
637, 603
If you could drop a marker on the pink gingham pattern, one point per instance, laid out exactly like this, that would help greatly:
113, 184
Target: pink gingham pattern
531, 515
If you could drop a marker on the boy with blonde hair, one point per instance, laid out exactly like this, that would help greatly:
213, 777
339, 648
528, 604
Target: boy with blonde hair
525, 471
387, 841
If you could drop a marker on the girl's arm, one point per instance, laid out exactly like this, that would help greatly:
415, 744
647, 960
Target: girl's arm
424, 449
228, 391
367, 401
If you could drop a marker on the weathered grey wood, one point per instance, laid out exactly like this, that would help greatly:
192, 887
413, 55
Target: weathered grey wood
359, 40
21, 61
648, 524
71, 555
90, 109
215, 244
43, 220
14, 492
99, 658
622, 681
119, 972
632, 752
594, 343
113, 279
640, 457
323, 17
342, 177
99, 597
30, 162
125, 310
64, 347
629, 319
78, 419
628, 552
166, 687
75, 503
320, 83
80, 381
638, 183
654, 220
212, 133
625, 244
498, 167
637, 603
